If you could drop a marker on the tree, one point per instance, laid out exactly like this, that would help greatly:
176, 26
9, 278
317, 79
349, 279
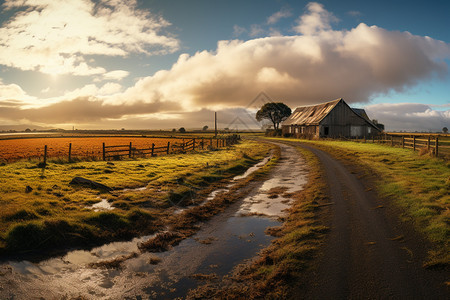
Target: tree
445, 130
182, 130
205, 128
275, 112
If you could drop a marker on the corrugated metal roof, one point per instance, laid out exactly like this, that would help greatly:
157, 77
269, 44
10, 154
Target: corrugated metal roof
311, 115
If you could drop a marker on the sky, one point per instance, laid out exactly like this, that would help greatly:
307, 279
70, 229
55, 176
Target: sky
162, 64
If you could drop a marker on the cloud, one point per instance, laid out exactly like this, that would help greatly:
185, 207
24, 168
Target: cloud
409, 116
283, 13
116, 75
82, 110
238, 30
355, 13
12, 91
319, 65
316, 65
55, 38
316, 20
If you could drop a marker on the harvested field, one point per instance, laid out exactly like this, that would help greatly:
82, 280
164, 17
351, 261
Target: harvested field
84, 147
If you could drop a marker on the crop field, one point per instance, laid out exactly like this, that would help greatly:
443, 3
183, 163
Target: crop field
85, 147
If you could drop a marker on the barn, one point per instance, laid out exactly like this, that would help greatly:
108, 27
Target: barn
332, 119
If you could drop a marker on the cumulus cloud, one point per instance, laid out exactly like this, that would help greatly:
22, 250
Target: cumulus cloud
319, 65
316, 65
12, 91
316, 20
409, 116
283, 13
54, 38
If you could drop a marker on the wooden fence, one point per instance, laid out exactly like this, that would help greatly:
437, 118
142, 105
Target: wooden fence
116, 152
431, 143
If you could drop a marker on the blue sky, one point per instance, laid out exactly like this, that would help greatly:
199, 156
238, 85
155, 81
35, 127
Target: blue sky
165, 64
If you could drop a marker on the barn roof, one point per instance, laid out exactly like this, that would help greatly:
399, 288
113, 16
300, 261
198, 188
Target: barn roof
361, 112
312, 114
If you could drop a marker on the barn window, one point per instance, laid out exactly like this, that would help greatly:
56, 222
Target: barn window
326, 130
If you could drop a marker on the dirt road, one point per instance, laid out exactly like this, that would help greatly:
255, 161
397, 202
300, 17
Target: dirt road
368, 254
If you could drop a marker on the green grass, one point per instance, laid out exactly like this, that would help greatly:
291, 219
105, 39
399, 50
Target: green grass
56, 214
419, 185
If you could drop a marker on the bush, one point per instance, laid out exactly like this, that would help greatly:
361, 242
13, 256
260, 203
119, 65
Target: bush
273, 132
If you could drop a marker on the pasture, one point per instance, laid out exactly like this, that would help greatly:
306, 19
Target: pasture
39, 209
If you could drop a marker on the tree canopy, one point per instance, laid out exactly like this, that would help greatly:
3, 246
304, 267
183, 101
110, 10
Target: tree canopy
276, 112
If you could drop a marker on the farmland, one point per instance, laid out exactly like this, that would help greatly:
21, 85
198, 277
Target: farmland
81, 147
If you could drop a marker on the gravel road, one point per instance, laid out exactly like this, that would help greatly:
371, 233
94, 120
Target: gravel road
369, 253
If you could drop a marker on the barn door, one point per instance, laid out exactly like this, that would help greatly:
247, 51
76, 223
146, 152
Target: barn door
356, 131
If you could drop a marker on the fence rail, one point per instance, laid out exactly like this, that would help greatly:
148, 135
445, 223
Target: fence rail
115, 152
432, 144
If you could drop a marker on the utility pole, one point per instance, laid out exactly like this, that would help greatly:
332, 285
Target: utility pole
215, 124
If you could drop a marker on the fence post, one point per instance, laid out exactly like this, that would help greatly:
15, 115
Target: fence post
392, 141
129, 154
437, 146
414, 143
182, 146
70, 152
168, 147
193, 144
217, 143
153, 149
104, 152
403, 141
45, 155
428, 143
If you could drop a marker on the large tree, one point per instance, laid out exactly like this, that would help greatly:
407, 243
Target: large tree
275, 112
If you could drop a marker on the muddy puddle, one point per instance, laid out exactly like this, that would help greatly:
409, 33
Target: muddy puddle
226, 240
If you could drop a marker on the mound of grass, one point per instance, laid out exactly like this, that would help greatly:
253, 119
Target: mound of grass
21, 215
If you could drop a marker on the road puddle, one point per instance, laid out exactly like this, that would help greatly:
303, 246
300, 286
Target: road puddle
223, 242
273, 198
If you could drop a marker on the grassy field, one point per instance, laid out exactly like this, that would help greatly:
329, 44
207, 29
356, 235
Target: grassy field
419, 185
53, 214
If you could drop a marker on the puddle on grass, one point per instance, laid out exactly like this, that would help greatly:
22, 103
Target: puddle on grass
101, 206
104, 205
223, 242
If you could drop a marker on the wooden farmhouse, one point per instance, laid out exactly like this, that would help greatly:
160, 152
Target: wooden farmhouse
332, 119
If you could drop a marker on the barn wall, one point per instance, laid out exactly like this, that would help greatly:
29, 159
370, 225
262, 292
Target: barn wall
342, 121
